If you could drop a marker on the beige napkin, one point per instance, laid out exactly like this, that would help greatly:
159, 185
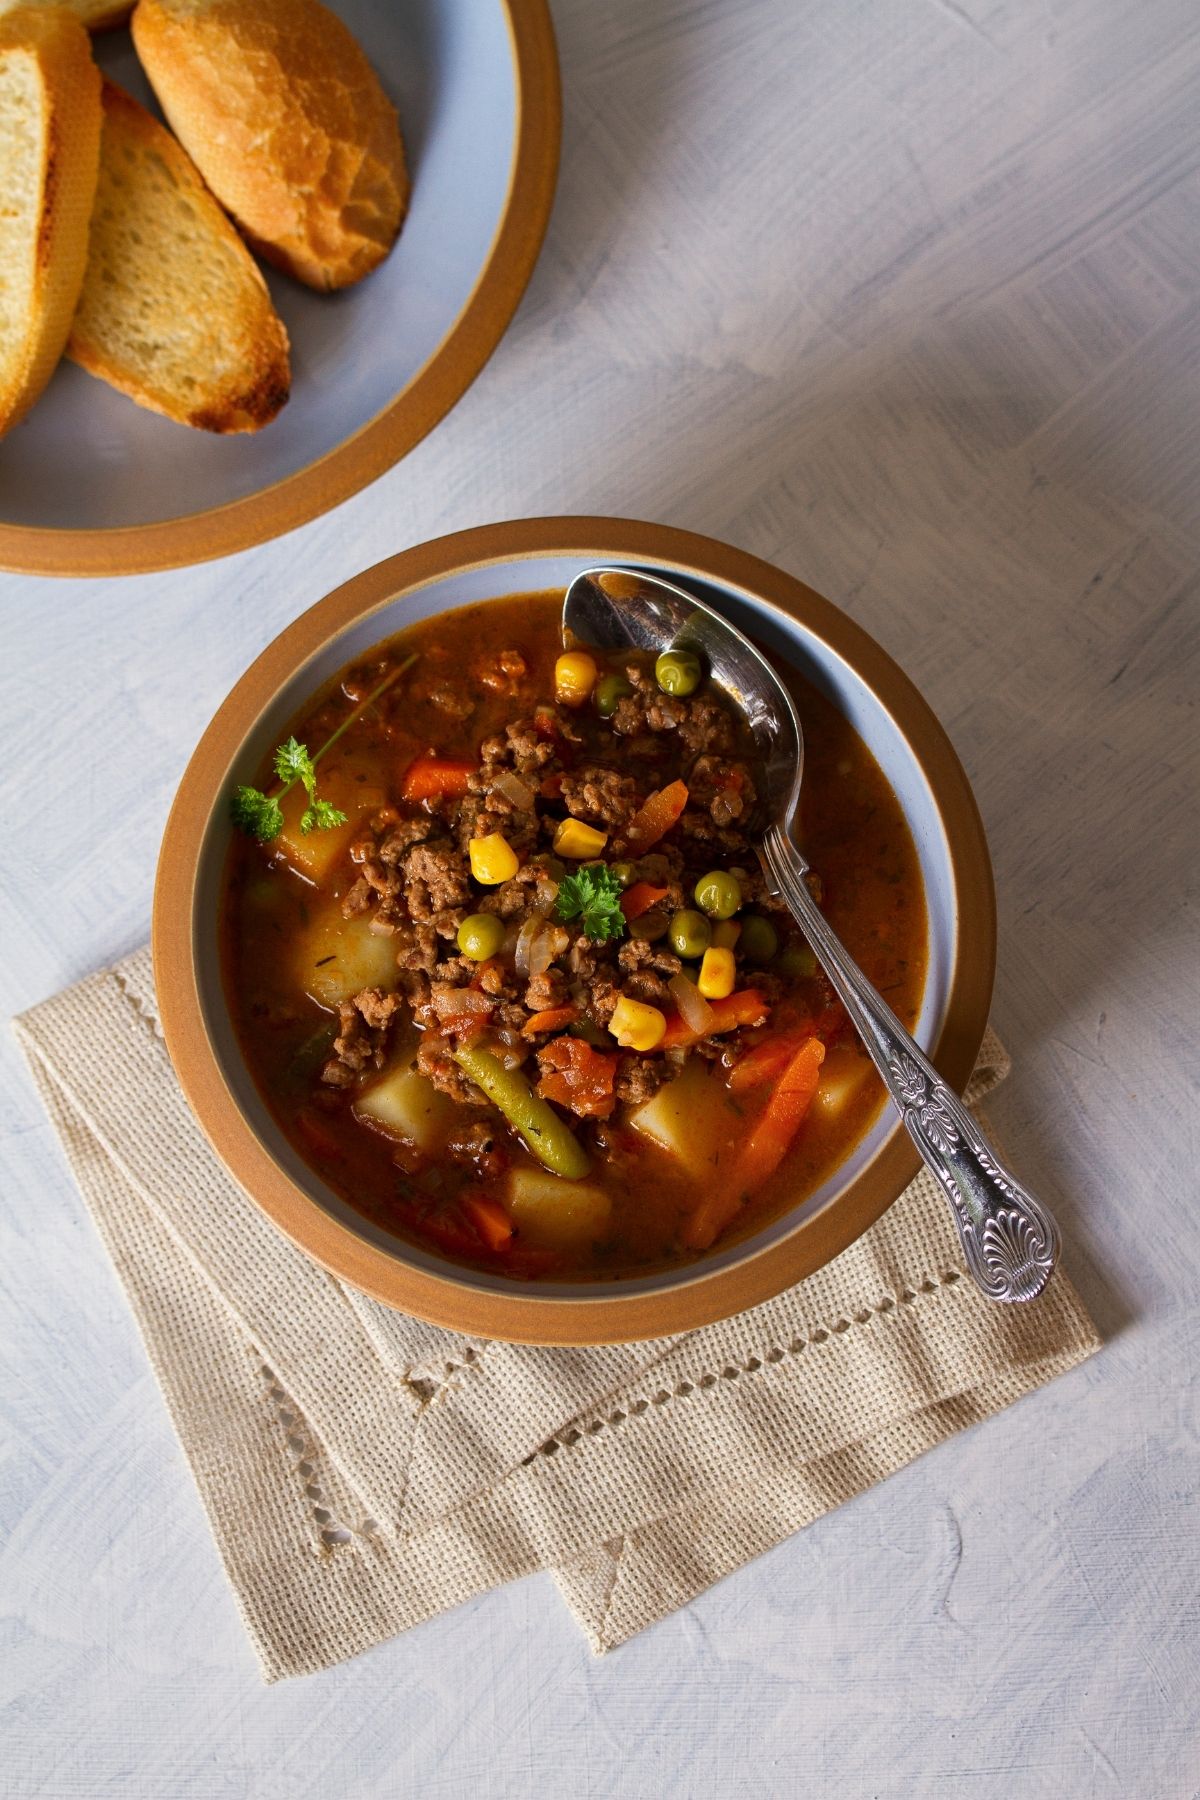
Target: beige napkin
363, 1471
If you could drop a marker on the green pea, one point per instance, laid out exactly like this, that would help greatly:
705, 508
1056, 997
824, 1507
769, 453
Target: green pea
797, 962
608, 691
677, 672
623, 872
481, 936
759, 939
691, 933
718, 894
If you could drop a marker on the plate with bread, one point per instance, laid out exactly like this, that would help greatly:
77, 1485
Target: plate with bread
251, 251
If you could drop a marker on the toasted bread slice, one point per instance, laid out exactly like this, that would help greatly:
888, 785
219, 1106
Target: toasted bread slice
174, 310
97, 15
49, 154
285, 118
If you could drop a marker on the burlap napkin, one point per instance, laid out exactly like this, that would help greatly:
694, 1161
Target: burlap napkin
363, 1471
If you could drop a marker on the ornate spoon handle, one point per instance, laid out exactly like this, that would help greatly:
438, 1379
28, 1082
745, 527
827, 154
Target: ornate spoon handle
1010, 1241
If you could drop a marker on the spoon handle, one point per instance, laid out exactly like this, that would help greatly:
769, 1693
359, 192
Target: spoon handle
1009, 1240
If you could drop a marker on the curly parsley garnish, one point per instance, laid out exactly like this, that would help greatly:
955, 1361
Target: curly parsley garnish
261, 814
593, 896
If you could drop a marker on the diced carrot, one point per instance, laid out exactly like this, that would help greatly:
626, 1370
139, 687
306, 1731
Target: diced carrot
655, 817
433, 777
640, 898
489, 1219
317, 1135
766, 1060
763, 1151
746, 1007
552, 1019
578, 1077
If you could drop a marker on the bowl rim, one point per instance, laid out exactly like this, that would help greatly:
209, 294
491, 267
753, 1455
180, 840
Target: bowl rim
445, 1298
410, 415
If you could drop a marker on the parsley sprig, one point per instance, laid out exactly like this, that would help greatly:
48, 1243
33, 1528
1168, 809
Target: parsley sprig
593, 896
261, 815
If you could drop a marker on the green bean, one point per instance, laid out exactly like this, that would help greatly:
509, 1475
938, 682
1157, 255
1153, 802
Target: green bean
678, 672
481, 936
551, 1141
718, 894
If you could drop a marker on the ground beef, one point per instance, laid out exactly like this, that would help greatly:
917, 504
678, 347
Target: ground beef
360, 899
532, 889
416, 947
361, 1041
640, 1077
435, 878
546, 990
725, 788
601, 796
447, 700
397, 839
479, 1145
436, 1063
636, 954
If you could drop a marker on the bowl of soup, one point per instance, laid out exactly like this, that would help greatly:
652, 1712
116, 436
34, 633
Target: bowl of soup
469, 971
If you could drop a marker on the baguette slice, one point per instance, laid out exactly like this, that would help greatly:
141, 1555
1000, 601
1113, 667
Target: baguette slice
49, 154
174, 311
285, 118
97, 15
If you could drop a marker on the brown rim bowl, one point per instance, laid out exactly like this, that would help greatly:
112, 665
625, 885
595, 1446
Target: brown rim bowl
785, 616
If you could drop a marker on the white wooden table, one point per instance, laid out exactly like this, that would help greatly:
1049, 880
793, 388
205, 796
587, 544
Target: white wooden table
905, 295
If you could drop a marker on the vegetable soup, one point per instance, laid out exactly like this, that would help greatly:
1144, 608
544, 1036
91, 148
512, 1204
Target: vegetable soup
503, 964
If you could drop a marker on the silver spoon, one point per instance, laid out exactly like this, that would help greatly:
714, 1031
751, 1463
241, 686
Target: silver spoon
1009, 1240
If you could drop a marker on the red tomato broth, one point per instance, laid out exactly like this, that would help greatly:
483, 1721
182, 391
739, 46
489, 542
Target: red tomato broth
854, 834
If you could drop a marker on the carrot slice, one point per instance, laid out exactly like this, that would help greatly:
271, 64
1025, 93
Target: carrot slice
640, 898
766, 1060
763, 1151
552, 1019
746, 1007
655, 817
489, 1219
432, 777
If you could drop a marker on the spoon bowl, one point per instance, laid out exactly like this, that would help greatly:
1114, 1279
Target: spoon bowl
1010, 1242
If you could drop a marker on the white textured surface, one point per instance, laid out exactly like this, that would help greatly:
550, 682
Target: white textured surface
906, 297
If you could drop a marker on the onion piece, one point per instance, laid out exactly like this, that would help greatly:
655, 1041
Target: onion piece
517, 792
694, 1009
550, 942
456, 1001
526, 938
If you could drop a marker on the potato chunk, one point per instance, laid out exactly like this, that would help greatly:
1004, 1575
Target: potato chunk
335, 957
556, 1214
844, 1073
404, 1103
691, 1118
317, 854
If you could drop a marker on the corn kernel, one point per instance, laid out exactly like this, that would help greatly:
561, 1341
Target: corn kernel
726, 932
578, 841
635, 1026
718, 972
493, 859
574, 677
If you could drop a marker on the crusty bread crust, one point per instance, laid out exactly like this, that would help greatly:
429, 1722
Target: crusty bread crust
97, 15
174, 311
42, 294
285, 118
